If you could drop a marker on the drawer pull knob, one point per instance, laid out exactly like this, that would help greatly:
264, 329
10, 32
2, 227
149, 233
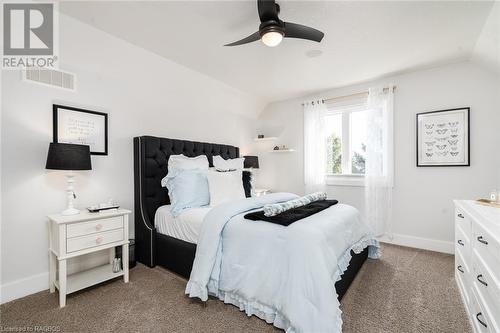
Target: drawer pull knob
461, 216
481, 240
460, 269
98, 240
98, 226
461, 242
480, 314
479, 278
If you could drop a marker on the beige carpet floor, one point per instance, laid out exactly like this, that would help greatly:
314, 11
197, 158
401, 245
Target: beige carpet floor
407, 290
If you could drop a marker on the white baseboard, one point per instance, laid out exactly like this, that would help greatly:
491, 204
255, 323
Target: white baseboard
36, 283
24, 287
420, 243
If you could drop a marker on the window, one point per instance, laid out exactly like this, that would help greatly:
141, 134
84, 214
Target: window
346, 134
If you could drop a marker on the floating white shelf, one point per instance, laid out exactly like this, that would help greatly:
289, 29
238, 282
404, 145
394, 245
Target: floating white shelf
282, 151
267, 138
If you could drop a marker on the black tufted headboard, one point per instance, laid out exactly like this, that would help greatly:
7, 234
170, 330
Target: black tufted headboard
151, 156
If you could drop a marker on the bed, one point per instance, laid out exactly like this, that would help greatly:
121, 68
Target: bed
175, 249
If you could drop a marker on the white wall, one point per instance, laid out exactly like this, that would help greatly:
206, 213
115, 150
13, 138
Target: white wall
143, 94
423, 208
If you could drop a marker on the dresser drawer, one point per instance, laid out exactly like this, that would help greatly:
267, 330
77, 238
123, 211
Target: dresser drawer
479, 317
462, 220
462, 274
488, 248
93, 240
462, 244
486, 285
92, 227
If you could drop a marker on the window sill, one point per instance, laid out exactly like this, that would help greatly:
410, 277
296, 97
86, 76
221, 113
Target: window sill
345, 180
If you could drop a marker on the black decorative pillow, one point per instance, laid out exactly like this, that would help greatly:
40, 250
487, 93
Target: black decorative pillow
247, 183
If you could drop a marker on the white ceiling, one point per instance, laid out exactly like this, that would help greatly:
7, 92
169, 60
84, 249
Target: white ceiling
363, 40
487, 49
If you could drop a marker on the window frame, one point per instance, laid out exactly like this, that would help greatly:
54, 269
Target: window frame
346, 109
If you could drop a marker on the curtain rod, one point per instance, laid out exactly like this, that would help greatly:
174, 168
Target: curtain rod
358, 94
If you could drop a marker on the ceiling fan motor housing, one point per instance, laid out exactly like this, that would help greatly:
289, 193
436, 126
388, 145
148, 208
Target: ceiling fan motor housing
272, 26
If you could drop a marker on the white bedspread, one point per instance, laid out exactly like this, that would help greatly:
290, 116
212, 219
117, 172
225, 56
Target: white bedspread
185, 227
284, 275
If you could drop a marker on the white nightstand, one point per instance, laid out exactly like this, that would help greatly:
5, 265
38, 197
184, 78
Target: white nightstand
76, 235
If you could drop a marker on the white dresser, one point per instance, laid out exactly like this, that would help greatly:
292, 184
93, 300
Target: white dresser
84, 233
477, 263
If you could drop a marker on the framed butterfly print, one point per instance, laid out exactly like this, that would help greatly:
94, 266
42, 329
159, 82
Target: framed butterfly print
443, 138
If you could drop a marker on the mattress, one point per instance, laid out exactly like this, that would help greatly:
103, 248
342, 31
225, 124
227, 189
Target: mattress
185, 227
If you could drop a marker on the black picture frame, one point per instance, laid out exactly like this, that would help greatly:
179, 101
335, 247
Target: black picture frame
56, 108
467, 141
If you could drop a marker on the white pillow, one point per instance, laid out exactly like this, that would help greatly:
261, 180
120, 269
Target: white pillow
225, 186
227, 165
180, 162
187, 163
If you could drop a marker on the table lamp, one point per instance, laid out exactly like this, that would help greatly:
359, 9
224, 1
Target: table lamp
251, 162
69, 157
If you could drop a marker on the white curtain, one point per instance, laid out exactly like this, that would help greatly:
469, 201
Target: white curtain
314, 146
379, 168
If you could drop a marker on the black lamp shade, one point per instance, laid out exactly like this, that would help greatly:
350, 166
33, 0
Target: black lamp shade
251, 162
66, 156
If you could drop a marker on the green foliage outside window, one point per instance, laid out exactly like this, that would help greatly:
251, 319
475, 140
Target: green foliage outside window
333, 155
358, 161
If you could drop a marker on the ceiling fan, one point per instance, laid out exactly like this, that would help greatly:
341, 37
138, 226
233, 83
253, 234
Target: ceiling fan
272, 30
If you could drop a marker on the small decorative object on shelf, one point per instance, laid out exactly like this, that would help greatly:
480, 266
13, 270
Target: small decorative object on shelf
261, 191
494, 195
103, 206
282, 149
486, 202
117, 265
261, 137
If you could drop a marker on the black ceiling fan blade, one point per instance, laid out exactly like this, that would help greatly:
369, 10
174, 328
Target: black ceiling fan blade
252, 38
267, 10
294, 30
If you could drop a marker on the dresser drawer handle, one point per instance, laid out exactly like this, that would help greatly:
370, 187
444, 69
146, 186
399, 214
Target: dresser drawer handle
482, 281
460, 215
479, 320
460, 269
98, 240
98, 226
461, 242
481, 240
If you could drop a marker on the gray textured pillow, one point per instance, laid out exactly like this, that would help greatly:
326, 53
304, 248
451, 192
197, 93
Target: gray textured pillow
278, 208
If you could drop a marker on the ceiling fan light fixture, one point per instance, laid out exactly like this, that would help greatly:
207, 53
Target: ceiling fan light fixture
272, 38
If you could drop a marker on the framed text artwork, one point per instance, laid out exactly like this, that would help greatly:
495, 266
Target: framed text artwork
79, 126
443, 138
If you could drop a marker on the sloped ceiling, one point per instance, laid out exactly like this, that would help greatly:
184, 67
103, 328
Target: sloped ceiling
363, 40
487, 49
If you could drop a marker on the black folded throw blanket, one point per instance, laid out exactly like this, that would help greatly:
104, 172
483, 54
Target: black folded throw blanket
288, 217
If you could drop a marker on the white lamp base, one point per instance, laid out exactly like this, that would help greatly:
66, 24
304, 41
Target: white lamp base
70, 211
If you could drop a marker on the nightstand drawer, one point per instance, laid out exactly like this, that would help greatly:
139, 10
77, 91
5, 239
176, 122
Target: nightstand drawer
94, 240
92, 227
